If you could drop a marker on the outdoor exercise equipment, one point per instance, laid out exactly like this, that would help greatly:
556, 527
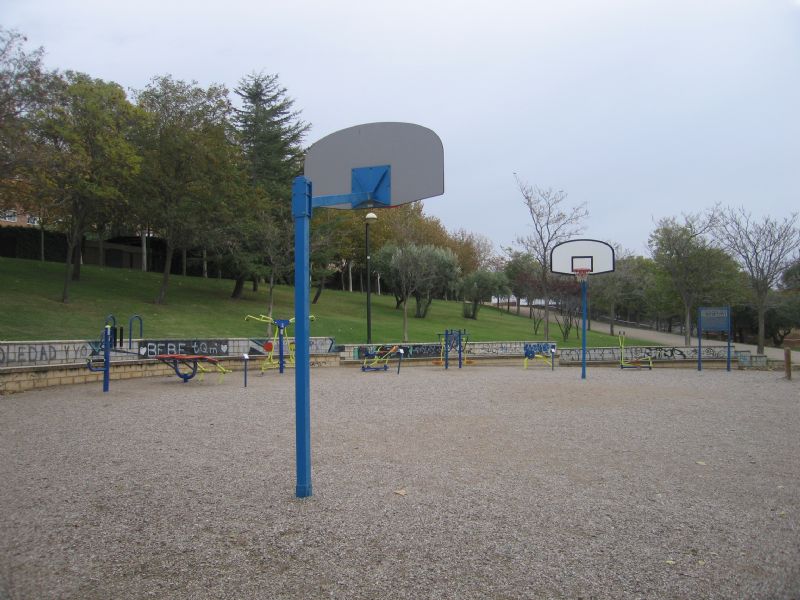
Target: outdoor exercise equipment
379, 359
111, 340
456, 340
279, 333
635, 363
105, 362
192, 362
545, 352
580, 258
366, 166
118, 333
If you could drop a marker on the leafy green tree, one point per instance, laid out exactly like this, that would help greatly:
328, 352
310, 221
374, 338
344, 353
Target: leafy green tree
474, 251
87, 133
521, 271
188, 161
439, 276
25, 87
790, 280
683, 251
417, 271
382, 263
480, 286
270, 132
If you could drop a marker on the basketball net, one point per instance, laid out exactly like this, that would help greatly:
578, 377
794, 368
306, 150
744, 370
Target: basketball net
581, 274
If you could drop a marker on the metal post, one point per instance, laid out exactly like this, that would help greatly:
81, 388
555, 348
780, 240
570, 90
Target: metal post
246, 358
369, 285
787, 362
301, 212
699, 339
280, 348
459, 350
583, 330
728, 308
106, 357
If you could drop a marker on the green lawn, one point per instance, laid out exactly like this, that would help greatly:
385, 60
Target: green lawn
30, 292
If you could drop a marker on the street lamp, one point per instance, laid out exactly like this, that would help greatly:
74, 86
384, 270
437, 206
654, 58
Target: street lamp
369, 218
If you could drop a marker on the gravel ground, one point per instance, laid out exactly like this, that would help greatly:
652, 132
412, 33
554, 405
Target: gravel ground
489, 482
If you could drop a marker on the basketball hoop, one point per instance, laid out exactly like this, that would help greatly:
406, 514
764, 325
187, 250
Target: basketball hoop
581, 274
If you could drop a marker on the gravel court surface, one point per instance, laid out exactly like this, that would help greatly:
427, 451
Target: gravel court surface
485, 482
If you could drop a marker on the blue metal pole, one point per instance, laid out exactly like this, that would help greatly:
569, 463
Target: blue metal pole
460, 357
301, 212
583, 330
106, 357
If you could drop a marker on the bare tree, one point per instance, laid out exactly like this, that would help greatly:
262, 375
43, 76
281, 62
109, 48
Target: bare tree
552, 223
683, 251
764, 250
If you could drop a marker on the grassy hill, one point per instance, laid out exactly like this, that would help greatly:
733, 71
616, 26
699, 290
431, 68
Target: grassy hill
30, 293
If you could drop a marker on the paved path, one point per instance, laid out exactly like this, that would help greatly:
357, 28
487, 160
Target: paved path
671, 339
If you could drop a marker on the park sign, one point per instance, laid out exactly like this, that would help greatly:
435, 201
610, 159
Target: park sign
713, 319
367, 166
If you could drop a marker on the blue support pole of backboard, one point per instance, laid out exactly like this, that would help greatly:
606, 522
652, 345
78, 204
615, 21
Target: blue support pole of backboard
583, 330
301, 212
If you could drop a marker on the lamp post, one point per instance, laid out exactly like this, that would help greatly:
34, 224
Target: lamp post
369, 218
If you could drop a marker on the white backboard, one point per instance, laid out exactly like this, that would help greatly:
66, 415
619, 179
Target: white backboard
414, 153
594, 255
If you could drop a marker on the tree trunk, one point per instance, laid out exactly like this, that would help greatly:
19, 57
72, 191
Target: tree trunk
101, 249
255, 283
320, 287
238, 287
379, 284
350, 274
68, 271
77, 259
144, 251
546, 317
405, 321
183, 261
205, 264
162, 292
762, 310
41, 240
688, 327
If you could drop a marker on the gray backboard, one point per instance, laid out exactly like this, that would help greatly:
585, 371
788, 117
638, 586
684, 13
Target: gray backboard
415, 154
595, 255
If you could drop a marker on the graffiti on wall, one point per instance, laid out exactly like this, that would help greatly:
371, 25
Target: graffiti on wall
151, 348
640, 352
45, 353
541, 348
471, 349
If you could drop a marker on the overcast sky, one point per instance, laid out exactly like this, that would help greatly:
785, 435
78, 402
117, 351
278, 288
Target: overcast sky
641, 109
